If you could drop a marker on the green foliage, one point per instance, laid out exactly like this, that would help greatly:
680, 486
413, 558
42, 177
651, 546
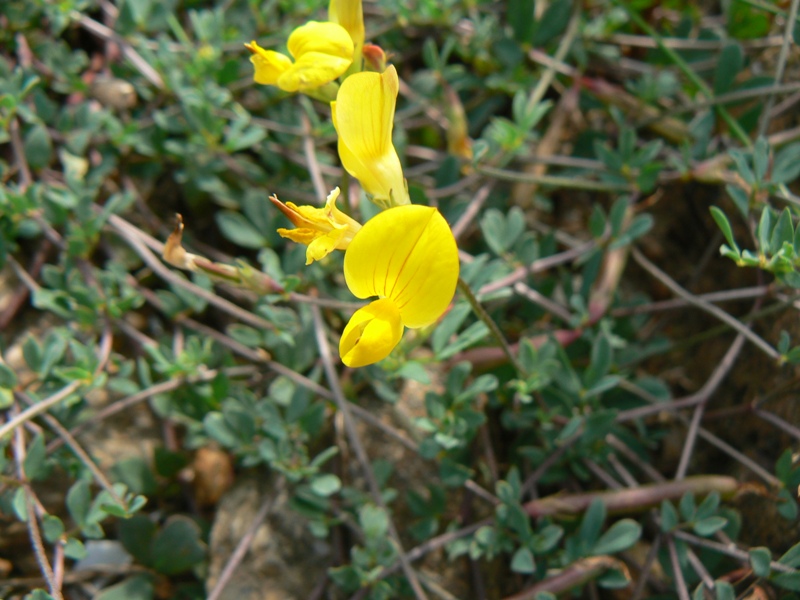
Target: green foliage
591, 128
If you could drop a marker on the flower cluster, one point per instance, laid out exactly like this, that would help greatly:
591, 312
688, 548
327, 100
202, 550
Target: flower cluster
406, 256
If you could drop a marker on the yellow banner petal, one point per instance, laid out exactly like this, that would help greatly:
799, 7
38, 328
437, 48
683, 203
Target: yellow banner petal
321, 37
408, 255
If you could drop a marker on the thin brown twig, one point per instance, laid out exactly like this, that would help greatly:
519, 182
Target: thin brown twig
707, 307
474, 206
677, 573
108, 34
142, 395
774, 419
25, 177
649, 561
39, 407
676, 303
87, 461
310, 151
355, 441
130, 234
724, 367
780, 66
537, 266
32, 522
728, 550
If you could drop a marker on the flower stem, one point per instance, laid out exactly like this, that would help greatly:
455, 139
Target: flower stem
484, 316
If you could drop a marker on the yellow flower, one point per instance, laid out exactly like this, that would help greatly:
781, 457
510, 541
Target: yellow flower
350, 15
406, 256
363, 115
322, 229
322, 51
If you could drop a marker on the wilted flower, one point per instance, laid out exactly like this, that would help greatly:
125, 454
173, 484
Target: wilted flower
407, 257
322, 229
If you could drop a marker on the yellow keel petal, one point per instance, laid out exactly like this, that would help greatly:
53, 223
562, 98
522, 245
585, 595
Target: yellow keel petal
371, 334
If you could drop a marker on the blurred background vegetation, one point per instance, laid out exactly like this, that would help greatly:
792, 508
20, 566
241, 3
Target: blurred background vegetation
620, 176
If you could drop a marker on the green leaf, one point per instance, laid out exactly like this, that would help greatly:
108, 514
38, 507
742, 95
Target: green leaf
449, 326
786, 166
38, 147
79, 500
52, 528
8, 379
687, 506
722, 222
759, 560
326, 485
374, 522
614, 579
217, 427
521, 18
740, 199
35, 464
620, 536
32, 353
501, 231
708, 506
546, 539
760, 158
764, 230
788, 581
74, 549
725, 590
553, 22
414, 371
38, 595
522, 561
791, 558
238, 229
136, 535
783, 232
669, 516
138, 587
709, 526
600, 361
177, 547
19, 504
617, 215
592, 522
136, 474
729, 64
470, 336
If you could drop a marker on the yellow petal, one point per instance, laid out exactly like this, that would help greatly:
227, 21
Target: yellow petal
363, 115
408, 255
323, 229
322, 52
350, 15
321, 37
311, 71
323, 245
371, 334
269, 65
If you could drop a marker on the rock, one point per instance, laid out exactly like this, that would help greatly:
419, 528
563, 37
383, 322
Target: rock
284, 562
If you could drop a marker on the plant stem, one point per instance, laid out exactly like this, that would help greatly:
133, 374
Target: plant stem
484, 316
